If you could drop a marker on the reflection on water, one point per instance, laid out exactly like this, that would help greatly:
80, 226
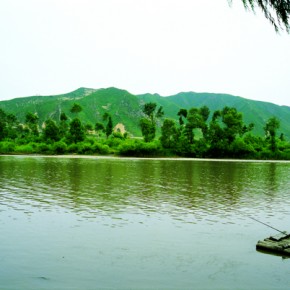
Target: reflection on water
172, 223
109, 186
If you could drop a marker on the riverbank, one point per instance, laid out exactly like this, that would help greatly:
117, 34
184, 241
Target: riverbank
138, 148
78, 156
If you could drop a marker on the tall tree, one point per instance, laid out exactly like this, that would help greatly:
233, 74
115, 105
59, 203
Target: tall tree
196, 118
182, 113
148, 123
233, 121
109, 126
8, 125
99, 127
76, 131
148, 129
271, 130
63, 126
32, 122
51, 131
3, 124
168, 133
225, 126
204, 112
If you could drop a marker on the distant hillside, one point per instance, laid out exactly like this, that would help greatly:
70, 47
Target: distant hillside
256, 112
126, 108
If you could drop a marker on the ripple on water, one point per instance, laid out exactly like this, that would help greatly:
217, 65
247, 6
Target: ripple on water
180, 217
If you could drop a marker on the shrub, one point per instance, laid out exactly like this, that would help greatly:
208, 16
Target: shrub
25, 149
101, 149
72, 148
42, 148
80, 148
59, 147
239, 148
140, 148
119, 135
113, 142
84, 148
7, 147
90, 140
286, 154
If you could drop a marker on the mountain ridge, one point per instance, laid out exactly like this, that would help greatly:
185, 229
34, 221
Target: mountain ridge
126, 108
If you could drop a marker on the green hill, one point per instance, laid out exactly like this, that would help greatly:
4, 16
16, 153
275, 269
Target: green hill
126, 108
256, 112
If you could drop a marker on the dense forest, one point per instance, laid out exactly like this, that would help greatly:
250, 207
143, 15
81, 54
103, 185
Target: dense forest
198, 133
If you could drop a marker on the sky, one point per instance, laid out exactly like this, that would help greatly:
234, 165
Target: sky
144, 46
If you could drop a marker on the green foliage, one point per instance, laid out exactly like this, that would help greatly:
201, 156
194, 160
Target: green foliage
271, 130
148, 124
3, 130
76, 131
182, 113
119, 135
86, 147
89, 127
8, 125
109, 127
149, 109
233, 123
63, 117
76, 108
225, 135
63, 128
113, 143
226, 125
99, 127
42, 148
257, 142
241, 149
139, 148
126, 108
148, 129
59, 147
72, 148
31, 121
7, 147
99, 148
51, 131
31, 118
168, 134
25, 149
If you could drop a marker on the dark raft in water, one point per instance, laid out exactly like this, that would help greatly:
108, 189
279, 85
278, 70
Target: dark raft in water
279, 244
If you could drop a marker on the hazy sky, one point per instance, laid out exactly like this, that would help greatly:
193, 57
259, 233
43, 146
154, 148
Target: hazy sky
157, 46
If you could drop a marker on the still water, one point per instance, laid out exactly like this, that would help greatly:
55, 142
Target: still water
105, 223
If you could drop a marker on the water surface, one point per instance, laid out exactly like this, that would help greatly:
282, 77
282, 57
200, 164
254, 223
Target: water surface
74, 223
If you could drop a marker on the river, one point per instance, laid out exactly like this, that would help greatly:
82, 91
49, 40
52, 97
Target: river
121, 223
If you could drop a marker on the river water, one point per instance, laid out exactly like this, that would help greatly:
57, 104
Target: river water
113, 223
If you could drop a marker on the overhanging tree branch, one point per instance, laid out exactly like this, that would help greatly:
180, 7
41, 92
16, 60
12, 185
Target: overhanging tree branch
276, 11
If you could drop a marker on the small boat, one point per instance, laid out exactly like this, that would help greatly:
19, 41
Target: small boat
279, 244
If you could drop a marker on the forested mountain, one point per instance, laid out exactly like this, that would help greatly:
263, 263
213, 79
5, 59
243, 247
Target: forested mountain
126, 108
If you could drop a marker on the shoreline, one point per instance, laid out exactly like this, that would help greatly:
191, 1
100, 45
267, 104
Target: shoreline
79, 156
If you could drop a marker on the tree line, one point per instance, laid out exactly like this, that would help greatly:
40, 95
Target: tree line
222, 134
197, 133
